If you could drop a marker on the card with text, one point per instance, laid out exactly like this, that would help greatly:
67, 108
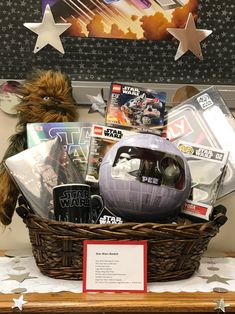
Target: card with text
115, 266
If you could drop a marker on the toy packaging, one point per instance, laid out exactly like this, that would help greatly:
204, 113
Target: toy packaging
102, 139
207, 167
75, 136
205, 120
133, 107
38, 169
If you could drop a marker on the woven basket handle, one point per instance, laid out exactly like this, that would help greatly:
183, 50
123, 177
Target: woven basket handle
219, 215
23, 209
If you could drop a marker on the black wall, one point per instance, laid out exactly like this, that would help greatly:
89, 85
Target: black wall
121, 60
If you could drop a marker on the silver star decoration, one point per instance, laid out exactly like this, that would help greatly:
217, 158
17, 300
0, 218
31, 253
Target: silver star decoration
48, 31
98, 103
214, 278
220, 305
19, 303
190, 38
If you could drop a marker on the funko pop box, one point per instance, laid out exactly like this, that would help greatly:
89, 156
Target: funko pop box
205, 119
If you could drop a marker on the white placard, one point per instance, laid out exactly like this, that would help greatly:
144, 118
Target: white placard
115, 266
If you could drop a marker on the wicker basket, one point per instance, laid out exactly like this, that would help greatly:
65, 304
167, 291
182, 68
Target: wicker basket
174, 250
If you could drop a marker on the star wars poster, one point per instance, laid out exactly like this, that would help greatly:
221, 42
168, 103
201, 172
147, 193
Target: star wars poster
123, 19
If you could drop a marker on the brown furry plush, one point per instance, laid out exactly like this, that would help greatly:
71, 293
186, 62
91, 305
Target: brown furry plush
47, 97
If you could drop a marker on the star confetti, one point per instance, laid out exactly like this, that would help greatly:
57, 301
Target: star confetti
98, 103
190, 38
220, 305
217, 278
20, 277
48, 31
19, 303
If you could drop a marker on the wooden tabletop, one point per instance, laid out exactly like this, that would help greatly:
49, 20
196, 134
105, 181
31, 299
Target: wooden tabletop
72, 303
67, 302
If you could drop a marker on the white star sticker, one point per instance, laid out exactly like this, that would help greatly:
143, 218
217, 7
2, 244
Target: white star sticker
19, 303
48, 31
189, 37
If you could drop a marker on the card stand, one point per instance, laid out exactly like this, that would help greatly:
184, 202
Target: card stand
173, 250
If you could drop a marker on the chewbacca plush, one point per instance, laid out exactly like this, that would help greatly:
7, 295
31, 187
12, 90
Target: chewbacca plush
46, 97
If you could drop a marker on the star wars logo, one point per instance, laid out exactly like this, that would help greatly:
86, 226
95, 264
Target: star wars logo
75, 199
113, 133
131, 90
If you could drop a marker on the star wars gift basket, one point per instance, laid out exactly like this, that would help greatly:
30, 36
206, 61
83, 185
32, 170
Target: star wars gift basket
144, 179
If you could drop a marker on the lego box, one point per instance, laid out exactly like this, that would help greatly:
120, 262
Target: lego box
133, 107
75, 136
205, 120
207, 167
102, 139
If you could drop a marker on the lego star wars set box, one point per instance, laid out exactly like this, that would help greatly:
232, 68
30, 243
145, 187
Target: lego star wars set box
102, 139
205, 120
207, 167
75, 136
135, 108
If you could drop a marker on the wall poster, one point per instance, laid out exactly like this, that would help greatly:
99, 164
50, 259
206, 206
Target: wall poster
124, 19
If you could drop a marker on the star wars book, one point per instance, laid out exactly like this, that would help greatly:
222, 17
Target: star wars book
75, 136
207, 167
37, 170
132, 107
205, 120
102, 139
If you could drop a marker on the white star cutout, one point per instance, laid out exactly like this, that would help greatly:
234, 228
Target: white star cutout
48, 31
19, 303
190, 38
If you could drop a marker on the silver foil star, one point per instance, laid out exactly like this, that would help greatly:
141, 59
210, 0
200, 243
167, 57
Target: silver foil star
98, 103
19, 303
190, 38
220, 305
48, 31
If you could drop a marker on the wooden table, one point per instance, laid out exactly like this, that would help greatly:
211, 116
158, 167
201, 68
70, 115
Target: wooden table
66, 302
78, 303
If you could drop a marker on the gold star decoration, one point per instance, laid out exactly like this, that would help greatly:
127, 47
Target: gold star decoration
48, 31
19, 303
190, 38
220, 305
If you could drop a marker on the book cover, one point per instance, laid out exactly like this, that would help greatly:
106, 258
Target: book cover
75, 136
37, 170
132, 107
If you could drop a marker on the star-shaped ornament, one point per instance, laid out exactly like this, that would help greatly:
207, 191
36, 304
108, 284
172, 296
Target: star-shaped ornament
19, 303
190, 38
214, 278
220, 305
20, 277
98, 103
48, 31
